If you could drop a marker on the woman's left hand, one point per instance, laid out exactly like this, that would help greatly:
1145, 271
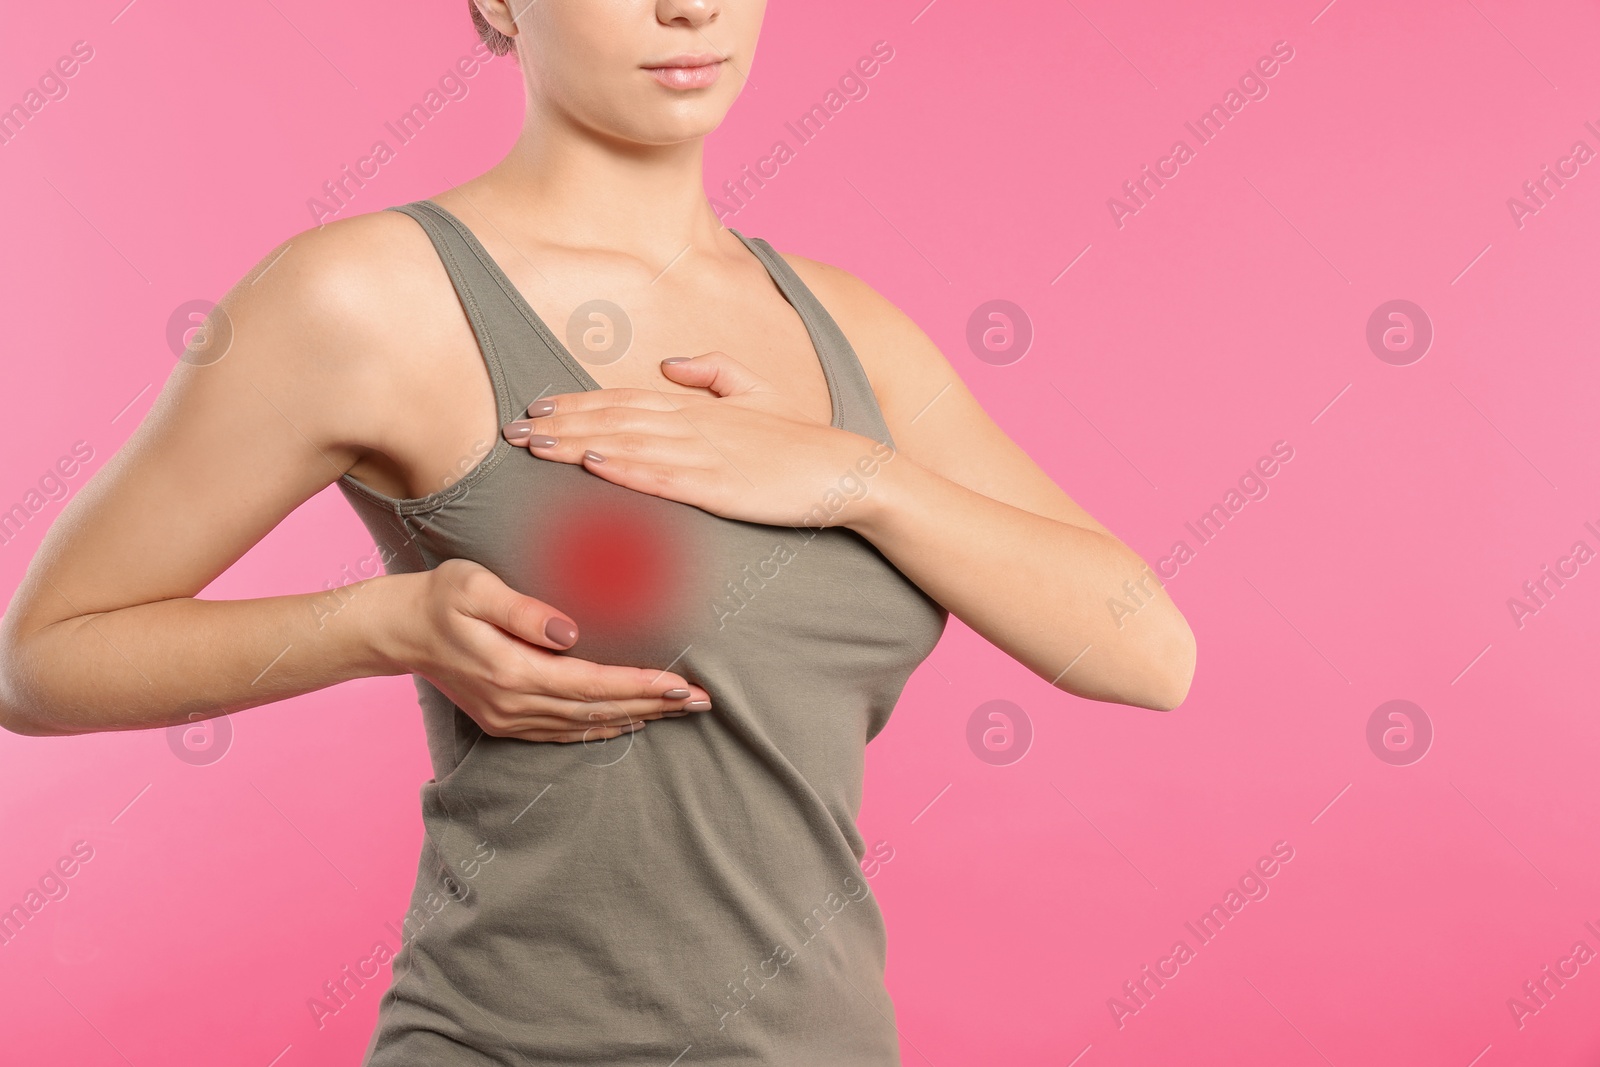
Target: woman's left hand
744, 453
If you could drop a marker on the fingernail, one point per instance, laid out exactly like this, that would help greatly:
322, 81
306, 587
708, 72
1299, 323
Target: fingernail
675, 694
561, 632
697, 705
516, 432
540, 441
592, 456
541, 407
676, 359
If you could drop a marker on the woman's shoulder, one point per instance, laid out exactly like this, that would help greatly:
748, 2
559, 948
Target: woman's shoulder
335, 325
853, 303
898, 357
353, 273
355, 295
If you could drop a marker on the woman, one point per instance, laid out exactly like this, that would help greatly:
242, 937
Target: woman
749, 520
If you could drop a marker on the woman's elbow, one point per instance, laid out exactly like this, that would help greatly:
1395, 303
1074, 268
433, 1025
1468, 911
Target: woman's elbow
1154, 675
21, 720
1174, 669
19, 710
1161, 681
18, 724
12, 716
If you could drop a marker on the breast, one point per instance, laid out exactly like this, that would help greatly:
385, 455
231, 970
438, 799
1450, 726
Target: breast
652, 582
625, 566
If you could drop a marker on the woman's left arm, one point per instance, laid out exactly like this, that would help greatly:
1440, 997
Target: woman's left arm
956, 505
973, 521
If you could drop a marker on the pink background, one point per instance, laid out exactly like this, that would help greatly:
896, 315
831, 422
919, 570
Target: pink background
1229, 313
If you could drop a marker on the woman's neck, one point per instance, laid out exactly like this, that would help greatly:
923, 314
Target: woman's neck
577, 188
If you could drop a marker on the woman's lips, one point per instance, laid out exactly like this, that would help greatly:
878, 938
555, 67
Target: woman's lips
687, 77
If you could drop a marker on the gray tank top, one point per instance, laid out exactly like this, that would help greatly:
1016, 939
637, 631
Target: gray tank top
691, 893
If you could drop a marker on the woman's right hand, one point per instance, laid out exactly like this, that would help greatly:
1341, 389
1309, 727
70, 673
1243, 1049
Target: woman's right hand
484, 645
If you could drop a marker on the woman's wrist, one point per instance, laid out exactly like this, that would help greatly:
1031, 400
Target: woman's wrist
388, 634
890, 490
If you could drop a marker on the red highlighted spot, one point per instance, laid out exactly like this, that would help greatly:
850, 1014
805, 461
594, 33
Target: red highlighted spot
612, 567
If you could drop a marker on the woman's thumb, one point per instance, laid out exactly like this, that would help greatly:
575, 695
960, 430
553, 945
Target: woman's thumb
717, 371
529, 618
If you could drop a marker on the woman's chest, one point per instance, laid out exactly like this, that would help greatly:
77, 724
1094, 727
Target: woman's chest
649, 580
618, 324
445, 419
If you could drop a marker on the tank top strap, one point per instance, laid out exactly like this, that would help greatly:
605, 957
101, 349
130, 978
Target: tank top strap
521, 362
526, 362
858, 404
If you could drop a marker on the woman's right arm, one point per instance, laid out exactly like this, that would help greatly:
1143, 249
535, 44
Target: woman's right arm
105, 631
